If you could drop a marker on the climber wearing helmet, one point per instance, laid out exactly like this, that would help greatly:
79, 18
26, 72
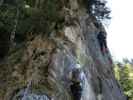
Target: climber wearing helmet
102, 41
77, 82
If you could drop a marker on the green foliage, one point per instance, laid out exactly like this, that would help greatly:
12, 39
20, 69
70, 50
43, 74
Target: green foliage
7, 15
40, 19
124, 75
33, 18
117, 72
21, 17
99, 9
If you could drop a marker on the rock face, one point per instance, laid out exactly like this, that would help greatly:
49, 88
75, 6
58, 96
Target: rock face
39, 69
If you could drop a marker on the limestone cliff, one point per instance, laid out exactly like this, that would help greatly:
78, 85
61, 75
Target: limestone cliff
40, 67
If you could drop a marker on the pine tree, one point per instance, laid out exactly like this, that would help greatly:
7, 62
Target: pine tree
99, 9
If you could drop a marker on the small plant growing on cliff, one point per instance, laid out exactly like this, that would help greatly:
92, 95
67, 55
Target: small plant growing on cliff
99, 9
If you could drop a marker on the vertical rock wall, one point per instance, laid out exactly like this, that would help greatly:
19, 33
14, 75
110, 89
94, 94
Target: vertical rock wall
40, 68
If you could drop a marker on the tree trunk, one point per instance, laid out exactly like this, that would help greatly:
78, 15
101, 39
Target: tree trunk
12, 37
37, 3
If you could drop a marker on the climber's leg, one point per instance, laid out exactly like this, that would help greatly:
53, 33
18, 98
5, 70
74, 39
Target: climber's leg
105, 46
76, 90
101, 46
77, 96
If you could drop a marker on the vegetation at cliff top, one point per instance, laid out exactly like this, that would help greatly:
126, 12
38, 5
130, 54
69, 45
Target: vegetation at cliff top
37, 16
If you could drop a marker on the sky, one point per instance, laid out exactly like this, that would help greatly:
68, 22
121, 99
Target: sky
120, 30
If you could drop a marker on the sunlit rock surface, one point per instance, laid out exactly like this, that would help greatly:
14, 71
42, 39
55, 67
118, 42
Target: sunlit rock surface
39, 69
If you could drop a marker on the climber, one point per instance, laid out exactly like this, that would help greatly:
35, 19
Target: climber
102, 41
77, 80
